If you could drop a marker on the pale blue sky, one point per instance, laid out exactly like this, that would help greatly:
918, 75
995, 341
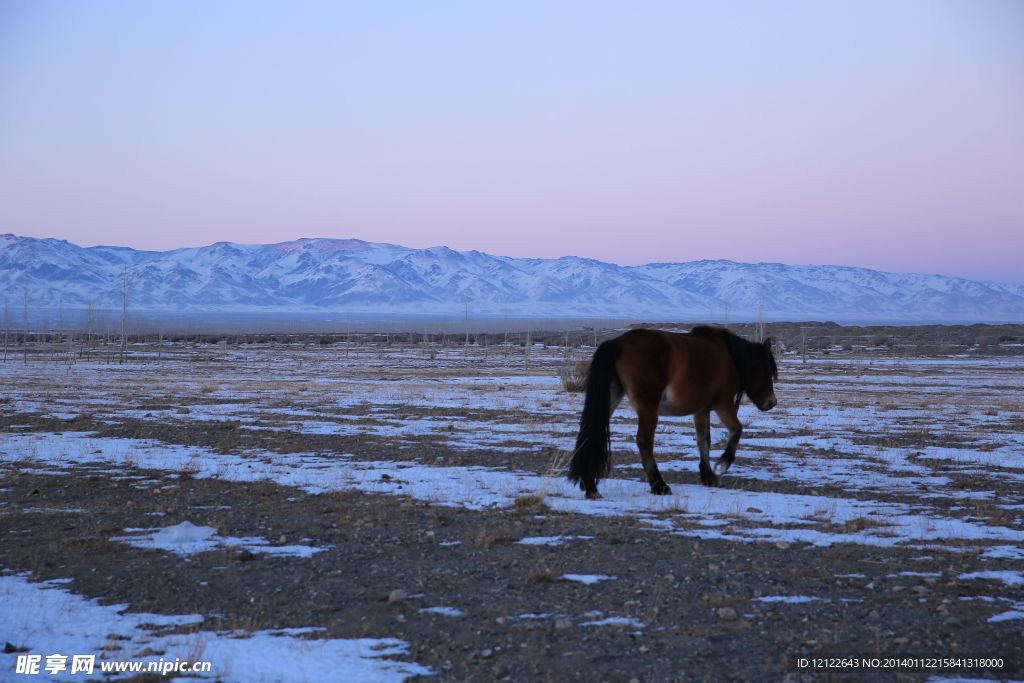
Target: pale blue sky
881, 134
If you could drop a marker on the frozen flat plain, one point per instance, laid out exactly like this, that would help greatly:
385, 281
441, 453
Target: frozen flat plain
918, 456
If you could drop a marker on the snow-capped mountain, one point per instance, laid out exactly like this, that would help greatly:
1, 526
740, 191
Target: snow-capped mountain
358, 277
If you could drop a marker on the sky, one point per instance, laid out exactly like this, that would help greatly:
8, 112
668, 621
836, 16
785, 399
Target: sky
872, 133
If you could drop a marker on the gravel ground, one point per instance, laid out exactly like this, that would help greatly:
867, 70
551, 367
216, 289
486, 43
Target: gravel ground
693, 603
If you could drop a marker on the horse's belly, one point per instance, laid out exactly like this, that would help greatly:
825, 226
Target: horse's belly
674, 405
669, 404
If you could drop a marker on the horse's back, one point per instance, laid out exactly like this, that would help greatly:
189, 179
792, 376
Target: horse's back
660, 350
653, 345
683, 372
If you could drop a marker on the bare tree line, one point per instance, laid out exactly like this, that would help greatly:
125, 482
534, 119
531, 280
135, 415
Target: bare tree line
63, 340
94, 336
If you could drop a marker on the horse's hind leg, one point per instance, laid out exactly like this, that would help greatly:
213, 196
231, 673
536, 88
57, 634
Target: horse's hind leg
647, 424
727, 414
702, 423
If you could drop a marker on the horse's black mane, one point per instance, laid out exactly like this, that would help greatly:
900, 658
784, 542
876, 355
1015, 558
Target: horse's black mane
748, 356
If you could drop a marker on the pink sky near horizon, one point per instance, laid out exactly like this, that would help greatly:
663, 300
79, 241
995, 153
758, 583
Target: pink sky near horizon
873, 134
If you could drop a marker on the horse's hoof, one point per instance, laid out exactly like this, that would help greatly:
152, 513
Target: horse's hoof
593, 495
660, 488
707, 475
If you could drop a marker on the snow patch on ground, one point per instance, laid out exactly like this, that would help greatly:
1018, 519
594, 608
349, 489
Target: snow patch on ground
1007, 577
1009, 615
46, 618
187, 539
549, 540
615, 621
587, 579
790, 599
443, 611
1003, 552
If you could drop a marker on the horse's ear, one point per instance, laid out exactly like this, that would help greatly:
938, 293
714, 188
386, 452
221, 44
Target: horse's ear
768, 343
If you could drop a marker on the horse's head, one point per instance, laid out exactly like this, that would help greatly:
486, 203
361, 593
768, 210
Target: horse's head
755, 365
761, 377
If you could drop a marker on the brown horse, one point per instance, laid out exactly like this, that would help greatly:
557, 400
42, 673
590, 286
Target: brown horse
665, 373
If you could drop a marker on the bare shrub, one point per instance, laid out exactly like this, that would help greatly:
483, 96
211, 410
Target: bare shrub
574, 375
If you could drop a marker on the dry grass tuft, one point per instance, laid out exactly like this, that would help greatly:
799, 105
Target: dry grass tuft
574, 376
488, 537
541, 575
858, 524
530, 502
190, 469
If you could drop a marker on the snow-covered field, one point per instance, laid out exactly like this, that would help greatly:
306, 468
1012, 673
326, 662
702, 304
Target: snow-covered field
879, 452
906, 451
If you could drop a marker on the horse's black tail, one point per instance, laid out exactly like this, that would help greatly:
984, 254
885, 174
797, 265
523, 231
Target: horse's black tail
591, 459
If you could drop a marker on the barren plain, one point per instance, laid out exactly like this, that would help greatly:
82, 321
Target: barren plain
377, 510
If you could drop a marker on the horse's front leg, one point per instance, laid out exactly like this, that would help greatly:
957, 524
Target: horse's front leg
702, 423
727, 414
647, 424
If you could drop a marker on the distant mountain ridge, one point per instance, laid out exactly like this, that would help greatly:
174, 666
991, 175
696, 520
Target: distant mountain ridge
351, 275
